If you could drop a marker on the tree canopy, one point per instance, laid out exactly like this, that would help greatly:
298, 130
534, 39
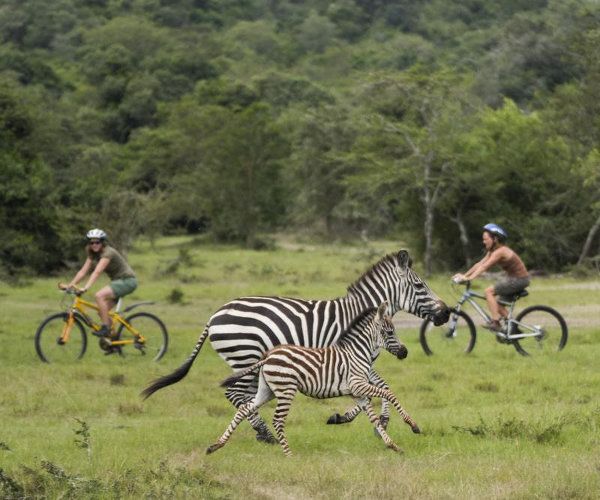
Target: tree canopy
421, 120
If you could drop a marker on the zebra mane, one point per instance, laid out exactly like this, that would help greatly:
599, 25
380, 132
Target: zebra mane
360, 318
391, 258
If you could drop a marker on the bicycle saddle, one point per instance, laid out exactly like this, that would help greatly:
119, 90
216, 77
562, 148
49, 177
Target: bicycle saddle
519, 295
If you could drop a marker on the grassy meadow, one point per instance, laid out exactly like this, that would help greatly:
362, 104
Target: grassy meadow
495, 424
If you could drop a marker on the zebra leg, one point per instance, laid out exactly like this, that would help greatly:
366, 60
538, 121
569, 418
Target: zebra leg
370, 391
384, 418
263, 395
242, 393
367, 407
347, 417
351, 414
389, 395
242, 412
284, 402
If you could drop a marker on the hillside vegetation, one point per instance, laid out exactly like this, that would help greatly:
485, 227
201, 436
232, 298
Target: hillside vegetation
423, 119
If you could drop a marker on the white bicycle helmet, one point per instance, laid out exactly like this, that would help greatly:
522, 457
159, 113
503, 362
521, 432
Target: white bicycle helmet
96, 234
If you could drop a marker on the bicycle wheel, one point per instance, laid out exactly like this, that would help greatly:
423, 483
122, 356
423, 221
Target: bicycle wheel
448, 339
153, 330
552, 328
49, 346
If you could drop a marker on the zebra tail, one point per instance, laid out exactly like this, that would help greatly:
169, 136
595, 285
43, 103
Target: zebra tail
231, 380
179, 373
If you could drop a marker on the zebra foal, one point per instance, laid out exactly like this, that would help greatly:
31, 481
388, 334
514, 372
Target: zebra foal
338, 370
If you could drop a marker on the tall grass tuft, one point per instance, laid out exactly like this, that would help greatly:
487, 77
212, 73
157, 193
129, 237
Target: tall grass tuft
513, 428
83, 437
175, 296
9, 488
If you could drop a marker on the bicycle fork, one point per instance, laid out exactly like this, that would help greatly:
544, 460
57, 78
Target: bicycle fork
66, 331
451, 332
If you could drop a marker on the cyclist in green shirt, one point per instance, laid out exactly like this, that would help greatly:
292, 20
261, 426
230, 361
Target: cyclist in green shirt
103, 258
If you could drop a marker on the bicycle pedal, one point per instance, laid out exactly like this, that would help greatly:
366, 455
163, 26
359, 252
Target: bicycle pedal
105, 344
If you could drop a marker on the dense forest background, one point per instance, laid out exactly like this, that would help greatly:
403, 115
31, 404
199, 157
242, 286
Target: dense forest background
418, 119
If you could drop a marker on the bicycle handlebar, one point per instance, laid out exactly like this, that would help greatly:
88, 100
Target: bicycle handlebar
73, 290
467, 283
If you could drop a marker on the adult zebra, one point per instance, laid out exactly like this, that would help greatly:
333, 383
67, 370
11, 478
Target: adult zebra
244, 329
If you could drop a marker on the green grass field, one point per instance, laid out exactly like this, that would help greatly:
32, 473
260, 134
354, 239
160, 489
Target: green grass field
495, 424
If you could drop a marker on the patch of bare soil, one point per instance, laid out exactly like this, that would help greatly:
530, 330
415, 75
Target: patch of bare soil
587, 285
581, 316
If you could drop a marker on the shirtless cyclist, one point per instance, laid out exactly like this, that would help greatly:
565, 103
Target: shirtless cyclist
497, 253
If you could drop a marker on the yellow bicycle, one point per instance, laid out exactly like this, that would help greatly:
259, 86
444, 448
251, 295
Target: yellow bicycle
62, 336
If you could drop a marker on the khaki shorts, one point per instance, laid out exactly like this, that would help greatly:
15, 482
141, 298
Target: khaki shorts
508, 287
123, 286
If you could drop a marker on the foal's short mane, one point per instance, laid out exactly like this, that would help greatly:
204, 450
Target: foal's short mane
361, 317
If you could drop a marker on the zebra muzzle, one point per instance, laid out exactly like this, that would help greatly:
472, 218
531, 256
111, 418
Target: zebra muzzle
402, 352
441, 316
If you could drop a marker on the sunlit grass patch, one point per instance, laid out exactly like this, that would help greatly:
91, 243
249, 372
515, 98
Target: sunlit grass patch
495, 424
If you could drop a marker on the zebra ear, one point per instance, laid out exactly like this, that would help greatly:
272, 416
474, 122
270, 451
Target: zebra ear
381, 310
404, 259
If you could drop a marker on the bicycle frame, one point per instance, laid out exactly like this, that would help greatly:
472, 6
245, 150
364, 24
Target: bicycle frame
78, 309
512, 325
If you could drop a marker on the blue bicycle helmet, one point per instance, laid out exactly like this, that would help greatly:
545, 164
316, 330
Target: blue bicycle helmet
495, 229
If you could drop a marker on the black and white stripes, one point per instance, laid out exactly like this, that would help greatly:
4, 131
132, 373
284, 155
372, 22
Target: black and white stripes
338, 370
244, 329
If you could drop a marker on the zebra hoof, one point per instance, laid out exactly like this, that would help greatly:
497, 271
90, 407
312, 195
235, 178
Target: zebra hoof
266, 438
415, 429
384, 421
396, 448
213, 448
335, 419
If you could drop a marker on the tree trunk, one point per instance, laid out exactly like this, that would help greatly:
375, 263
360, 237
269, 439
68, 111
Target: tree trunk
428, 229
588, 241
429, 203
430, 199
463, 236
250, 213
429, 195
